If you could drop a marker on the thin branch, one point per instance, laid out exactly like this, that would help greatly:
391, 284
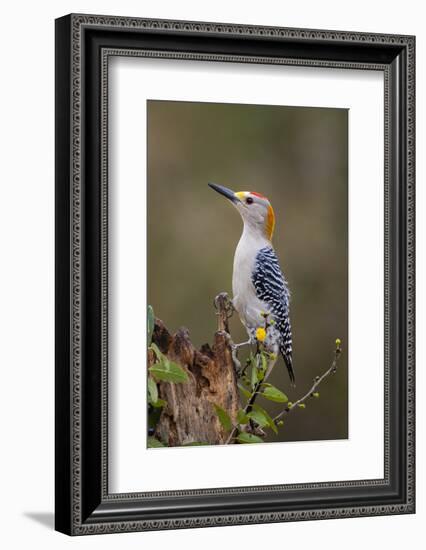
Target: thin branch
246, 410
331, 370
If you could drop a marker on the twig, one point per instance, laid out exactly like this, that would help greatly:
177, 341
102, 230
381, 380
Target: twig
316, 383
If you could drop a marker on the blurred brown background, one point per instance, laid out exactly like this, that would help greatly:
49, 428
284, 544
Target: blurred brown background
298, 158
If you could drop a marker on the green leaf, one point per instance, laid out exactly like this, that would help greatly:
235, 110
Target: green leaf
274, 394
271, 423
168, 371
251, 359
242, 417
259, 418
245, 392
152, 391
224, 418
156, 350
244, 437
253, 379
264, 362
159, 404
150, 323
153, 442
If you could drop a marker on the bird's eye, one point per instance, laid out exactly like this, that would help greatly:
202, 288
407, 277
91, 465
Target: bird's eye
249, 200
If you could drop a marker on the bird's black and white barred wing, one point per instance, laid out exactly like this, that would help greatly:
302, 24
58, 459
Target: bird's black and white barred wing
272, 288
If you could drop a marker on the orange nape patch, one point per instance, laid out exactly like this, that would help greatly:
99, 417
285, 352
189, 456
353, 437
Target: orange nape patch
270, 223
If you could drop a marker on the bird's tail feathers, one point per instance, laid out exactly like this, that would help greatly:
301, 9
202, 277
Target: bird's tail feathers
289, 364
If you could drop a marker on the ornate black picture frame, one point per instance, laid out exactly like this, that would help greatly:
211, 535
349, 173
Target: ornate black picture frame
84, 44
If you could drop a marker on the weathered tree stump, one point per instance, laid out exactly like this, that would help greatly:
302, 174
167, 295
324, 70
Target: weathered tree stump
189, 415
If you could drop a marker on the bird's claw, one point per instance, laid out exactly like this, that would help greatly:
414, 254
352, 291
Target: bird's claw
241, 344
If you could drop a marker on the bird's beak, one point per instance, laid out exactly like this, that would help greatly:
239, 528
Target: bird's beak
225, 192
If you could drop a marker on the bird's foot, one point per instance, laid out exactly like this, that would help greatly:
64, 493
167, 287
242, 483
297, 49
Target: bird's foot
234, 351
241, 344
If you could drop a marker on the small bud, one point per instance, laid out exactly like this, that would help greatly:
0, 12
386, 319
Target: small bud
315, 394
302, 406
289, 404
338, 342
280, 423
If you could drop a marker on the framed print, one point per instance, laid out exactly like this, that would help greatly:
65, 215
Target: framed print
234, 274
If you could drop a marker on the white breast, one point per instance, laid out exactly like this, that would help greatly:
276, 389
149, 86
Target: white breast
245, 301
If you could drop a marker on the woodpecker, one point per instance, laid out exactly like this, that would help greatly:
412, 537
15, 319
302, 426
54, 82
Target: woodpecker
259, 288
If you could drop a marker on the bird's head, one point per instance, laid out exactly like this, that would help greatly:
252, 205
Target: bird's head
255, 209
